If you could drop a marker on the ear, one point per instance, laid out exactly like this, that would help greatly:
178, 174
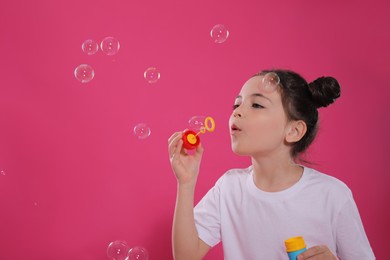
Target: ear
295, 131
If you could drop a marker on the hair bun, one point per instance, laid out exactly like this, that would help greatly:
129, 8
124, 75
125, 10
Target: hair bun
324, 90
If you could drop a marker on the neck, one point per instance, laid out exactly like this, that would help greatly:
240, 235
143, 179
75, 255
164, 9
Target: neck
274, 174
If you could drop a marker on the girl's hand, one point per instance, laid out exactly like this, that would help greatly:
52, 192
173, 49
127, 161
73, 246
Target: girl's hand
317, 253
185, 166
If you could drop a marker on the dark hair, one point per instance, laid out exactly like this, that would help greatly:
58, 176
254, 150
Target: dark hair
301, 101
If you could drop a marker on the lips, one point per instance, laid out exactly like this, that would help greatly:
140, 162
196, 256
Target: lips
234, 129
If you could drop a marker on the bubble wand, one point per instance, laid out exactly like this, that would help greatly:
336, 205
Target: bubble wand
191, 139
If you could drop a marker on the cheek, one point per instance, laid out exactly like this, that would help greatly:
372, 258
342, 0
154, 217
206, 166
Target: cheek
270, 131
230, 120
231, 117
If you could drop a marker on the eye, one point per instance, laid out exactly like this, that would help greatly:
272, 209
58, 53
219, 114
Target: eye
235, 106
255, 105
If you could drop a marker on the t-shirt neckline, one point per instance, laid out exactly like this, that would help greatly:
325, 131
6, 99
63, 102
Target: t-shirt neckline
260, 194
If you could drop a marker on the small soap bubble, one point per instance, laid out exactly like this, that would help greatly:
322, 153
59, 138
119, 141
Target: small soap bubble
142, 131
90, 47
110, 46
137, 253
2, 173
84, 73
271, 78
219, 33
152, 75
117, 250
270, 82
196, 123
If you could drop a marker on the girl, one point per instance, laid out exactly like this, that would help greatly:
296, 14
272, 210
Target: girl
253, 210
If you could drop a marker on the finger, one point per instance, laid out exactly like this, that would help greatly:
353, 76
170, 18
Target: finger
312, 251
179, 149
172, 142
173, 136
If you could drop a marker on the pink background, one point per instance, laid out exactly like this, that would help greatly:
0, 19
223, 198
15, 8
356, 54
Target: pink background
75, 177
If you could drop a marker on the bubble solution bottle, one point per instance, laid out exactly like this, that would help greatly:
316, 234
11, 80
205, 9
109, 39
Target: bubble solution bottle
294, 247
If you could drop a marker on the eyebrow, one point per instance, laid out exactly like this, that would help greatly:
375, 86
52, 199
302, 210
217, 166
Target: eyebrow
256, 95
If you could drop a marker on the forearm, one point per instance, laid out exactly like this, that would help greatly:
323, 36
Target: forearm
185, 240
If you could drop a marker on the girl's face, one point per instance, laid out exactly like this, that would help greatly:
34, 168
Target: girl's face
258, 124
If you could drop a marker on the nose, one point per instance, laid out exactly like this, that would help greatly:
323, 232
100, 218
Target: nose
237, 114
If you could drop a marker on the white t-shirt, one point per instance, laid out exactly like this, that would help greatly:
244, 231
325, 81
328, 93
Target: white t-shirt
253, 224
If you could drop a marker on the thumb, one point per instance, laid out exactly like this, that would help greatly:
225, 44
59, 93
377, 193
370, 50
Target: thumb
199, 151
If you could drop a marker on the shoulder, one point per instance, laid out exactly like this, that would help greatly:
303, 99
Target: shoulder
237, 173
326, 183
235, 176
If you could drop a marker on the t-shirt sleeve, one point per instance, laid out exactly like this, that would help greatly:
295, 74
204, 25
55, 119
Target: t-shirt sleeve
352, 242
207, 216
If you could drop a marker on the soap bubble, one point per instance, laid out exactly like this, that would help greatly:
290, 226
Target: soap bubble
142, 131
117, 250
2, 173
84, 73
137, 253
151, 75
90, 47
270, 82
110, 46
196, 122
219, 33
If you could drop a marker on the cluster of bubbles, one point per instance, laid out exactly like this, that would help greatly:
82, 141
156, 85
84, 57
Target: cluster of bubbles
109, 46
196, 123
142, 130
219, 33
119, 250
